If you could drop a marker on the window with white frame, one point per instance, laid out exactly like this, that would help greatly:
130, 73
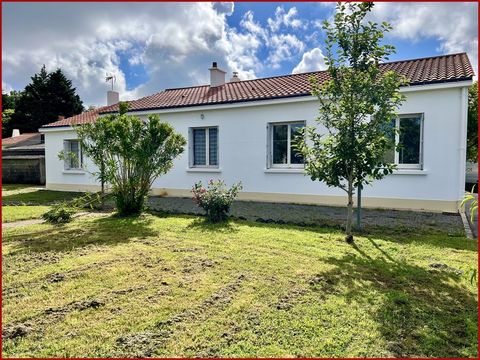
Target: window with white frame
282, 138
73, 159
409, 139
204, 147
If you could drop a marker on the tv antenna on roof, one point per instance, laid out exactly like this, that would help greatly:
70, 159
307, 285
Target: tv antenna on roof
111, 78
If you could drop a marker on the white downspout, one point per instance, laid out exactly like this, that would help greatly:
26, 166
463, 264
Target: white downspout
462, 149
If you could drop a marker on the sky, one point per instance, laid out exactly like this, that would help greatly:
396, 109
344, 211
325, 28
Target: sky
153, 46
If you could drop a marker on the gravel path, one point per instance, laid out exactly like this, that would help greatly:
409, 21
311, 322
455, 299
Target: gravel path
21, 223
319, 215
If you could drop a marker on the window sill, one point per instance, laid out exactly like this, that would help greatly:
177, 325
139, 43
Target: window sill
74, 172
285, 170
204, 170
409, 172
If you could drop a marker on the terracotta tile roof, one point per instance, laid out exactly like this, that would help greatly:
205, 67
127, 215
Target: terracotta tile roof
445, 68
83, 118
17, 140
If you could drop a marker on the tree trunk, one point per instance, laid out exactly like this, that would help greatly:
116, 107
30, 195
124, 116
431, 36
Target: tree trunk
349, 236
102, 192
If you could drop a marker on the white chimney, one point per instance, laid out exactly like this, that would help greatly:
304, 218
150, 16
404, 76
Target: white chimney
217, 76
113, 97
15, 132
235, 77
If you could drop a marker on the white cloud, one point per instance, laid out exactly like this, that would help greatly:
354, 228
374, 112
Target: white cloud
6, 87
287, 19
312, 60
224, 7
284, 47
174, 42
249, 24
454, 25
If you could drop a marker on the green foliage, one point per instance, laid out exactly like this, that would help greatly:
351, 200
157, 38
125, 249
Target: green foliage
62, 212
91, 201
7, 122
59, 214
132, 152
216, 199
472, 127
95, 146
472, 198
48, 96
357, 105
9, 102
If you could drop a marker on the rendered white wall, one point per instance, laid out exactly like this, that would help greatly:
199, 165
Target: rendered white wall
243, 147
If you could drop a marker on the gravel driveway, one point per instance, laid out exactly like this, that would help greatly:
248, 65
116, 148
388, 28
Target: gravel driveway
319, 215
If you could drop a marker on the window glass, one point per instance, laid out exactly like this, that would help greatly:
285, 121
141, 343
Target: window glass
213, 146
280, 144
295, 131
73, 154
205, 146
409, 141
389, 156
199, 147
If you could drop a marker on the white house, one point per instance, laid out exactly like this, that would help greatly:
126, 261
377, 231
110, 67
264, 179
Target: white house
241, 131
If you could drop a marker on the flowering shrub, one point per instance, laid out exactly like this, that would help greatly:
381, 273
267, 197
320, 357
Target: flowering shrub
215, 199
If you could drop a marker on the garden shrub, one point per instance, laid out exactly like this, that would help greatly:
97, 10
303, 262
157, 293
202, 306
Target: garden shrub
62, 213
59, 214
132, 152
215, 199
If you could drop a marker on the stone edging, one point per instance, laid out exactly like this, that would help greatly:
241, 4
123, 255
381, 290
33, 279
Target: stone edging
466, 225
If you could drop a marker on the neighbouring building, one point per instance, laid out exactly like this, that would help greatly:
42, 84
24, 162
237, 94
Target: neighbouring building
242, 130
23, 159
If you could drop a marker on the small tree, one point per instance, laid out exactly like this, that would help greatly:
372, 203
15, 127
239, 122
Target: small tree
357, 105
133, 152
472, 127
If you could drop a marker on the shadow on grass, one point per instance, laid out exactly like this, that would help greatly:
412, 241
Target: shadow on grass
423, 312
437, 239
38, 197
201, 224
400, 236
109, 230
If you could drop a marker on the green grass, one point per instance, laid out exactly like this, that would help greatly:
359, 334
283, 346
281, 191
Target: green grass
16, 187
17, 213
19, 194
173, 286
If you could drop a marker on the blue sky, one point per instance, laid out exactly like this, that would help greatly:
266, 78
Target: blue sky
153, 46
308, 12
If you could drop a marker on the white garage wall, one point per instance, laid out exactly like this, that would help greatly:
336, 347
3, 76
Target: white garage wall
243, 150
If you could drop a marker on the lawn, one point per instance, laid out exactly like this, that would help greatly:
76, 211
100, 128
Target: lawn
23, 202
17, 213
19, 194
103, 286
